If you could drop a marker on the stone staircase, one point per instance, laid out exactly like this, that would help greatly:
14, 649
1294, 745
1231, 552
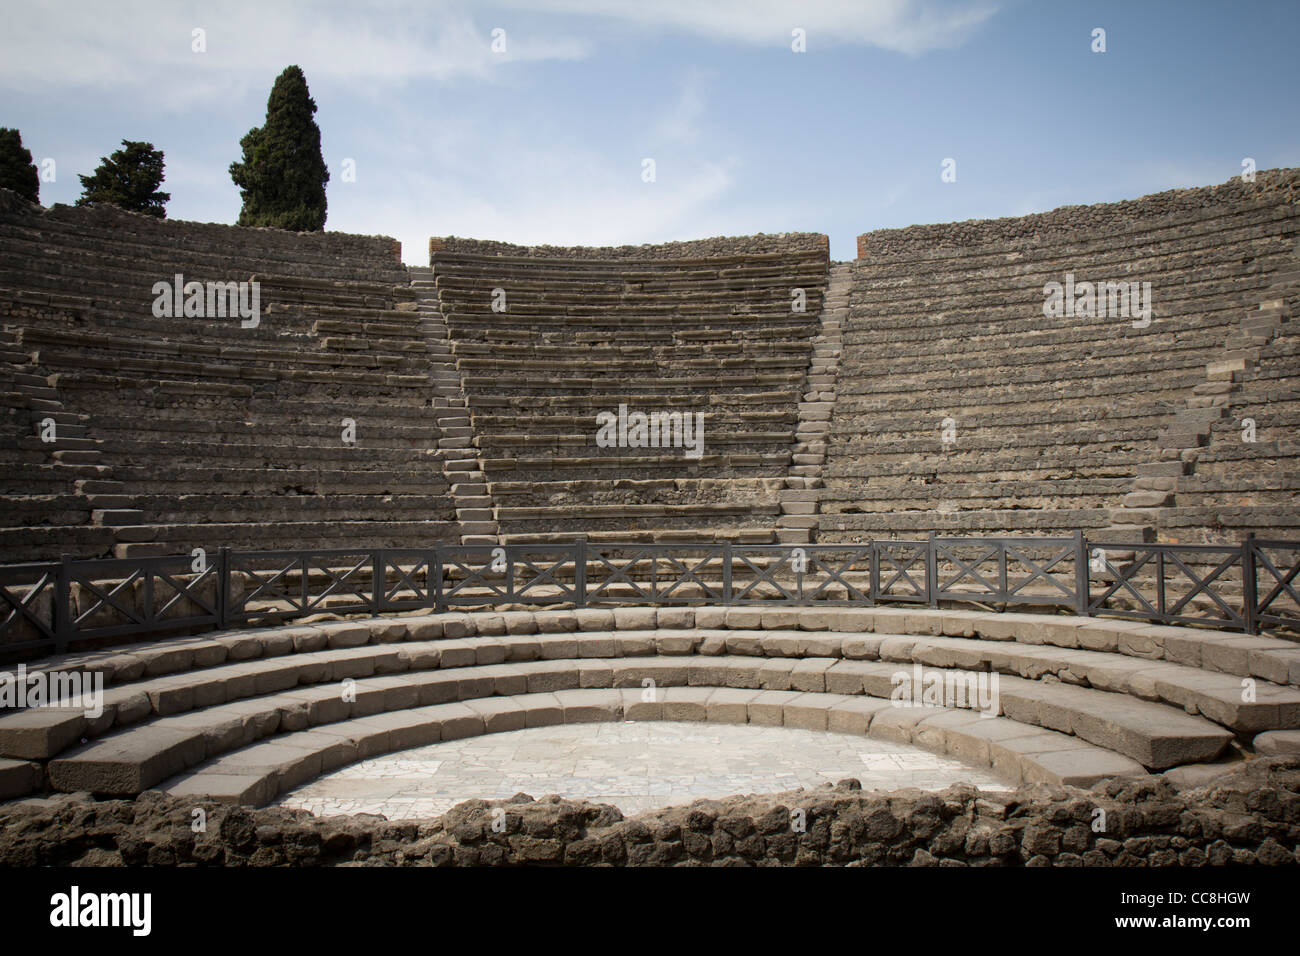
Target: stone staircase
1148, 507
460, 461
74, 459
798, 521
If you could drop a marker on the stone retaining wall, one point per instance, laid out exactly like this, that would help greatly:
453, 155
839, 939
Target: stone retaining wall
1073, 222
1250, 817
786, 242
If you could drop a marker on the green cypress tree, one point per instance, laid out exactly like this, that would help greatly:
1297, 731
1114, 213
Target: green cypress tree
282, 178
17, 171
129, 179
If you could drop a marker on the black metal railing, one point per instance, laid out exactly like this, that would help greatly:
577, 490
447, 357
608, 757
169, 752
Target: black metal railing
48, 607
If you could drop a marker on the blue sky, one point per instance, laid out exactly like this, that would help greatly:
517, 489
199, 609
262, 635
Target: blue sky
545, 142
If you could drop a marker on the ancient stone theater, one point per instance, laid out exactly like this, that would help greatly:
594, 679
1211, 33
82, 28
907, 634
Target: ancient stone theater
987, 539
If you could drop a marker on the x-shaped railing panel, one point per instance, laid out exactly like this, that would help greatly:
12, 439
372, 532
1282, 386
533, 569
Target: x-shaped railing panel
968, 569
1202, 584
189, 592
902, 572
1039, 571
109, 598
20, 603
764, 577
620, 571
408, 565
496, 580
817, 562
1268, 606
1124, 579
338, 584
272, 589
683, 574
540, 576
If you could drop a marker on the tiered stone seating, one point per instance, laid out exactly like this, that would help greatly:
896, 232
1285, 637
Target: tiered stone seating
1053, 417
244, 716
1235, 485
176, 433
680, 328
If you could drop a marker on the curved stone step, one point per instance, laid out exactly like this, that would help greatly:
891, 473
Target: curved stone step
1229, 652
43, 733
136, 758
19, 778
259, 773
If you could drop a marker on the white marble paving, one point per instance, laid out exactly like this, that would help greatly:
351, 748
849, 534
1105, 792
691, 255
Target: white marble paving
635, 765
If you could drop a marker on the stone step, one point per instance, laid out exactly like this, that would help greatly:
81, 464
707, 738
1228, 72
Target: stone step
258, 774
18, 778
1183, 666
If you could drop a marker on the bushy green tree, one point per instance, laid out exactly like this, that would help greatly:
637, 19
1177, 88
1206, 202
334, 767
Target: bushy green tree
282, 178
17, 171
129, 179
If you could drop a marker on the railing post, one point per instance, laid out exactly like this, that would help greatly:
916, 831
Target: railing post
726, 572
378, 581
63, 604
1248, 585
580, 573
436, 590
510, 571
1082, 581
1003, 594
1160, 586
932, 571
223, 588
874, 574
149, 567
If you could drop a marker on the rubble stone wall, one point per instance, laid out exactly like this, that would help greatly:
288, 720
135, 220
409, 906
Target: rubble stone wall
1251, 817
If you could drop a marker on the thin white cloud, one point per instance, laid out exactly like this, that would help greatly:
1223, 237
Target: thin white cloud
149, 46
680, 123
904, 26
146, 45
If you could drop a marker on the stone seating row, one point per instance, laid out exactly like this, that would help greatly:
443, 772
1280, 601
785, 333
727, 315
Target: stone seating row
468, 263
989, 334
129, 760
140, 237
544, 285
1018, 753
657, 337
1119, 685
1174, 277
1029, 367
1158, 232
514, 407
815, 631
125, 284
